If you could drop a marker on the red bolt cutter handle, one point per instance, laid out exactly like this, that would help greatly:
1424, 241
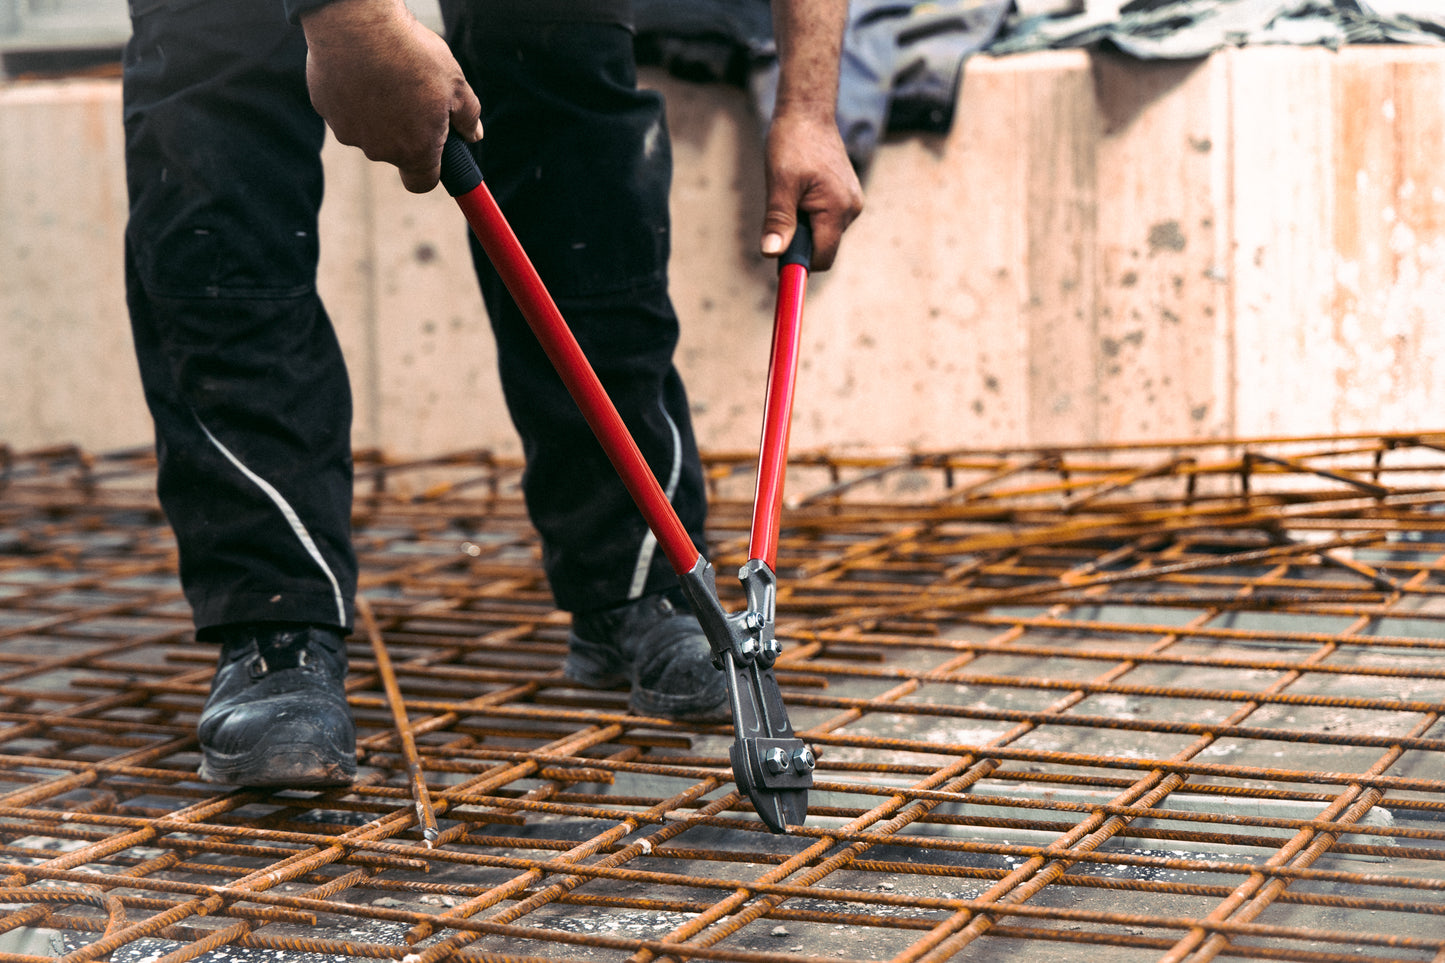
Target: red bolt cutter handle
520, 277
770, 764
793, 269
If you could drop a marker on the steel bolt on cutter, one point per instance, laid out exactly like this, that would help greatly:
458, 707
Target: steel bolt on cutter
771, 765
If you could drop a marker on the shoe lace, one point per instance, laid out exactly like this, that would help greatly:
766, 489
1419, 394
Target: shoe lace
258, 667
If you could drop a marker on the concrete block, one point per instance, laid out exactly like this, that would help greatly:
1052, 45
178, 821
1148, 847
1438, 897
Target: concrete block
1389, 237
1283, 267
1162, 206
930, 286
1100, 250
1061, 212
1339, 238
65, 358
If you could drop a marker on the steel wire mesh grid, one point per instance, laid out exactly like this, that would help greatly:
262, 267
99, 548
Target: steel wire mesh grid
1172, 702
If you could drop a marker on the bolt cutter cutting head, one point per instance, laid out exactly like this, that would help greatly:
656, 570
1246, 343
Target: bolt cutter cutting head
771, 766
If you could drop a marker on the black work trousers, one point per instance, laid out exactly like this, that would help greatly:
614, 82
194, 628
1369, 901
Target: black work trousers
241, 368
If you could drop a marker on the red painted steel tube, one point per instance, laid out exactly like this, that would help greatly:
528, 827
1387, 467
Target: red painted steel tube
537, 306
778, 414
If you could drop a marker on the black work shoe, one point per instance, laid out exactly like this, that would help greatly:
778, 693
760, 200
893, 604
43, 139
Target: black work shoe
659, 649
277, 713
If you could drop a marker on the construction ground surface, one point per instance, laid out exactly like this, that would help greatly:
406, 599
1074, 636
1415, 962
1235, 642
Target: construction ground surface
1166, 703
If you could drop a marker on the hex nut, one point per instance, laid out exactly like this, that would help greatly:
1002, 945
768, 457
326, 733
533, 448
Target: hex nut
776, 760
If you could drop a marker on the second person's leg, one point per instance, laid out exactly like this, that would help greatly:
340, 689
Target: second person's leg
580, 162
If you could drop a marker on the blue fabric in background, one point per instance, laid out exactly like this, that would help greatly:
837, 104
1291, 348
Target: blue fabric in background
902, 61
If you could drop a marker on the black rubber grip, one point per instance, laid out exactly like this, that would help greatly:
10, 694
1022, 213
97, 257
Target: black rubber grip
460, 172
800, 248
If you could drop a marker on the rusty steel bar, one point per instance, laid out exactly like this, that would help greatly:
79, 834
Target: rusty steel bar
416, 775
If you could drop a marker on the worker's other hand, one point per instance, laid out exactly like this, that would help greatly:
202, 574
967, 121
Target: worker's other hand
808, 170
387, 84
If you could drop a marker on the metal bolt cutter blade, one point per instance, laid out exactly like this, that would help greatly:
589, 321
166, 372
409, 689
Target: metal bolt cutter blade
771, 766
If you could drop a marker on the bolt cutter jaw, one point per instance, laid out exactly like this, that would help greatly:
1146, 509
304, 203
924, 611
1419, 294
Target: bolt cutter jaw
771, 766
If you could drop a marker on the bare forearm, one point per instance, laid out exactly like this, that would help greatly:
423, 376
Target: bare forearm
809, 35
808, 170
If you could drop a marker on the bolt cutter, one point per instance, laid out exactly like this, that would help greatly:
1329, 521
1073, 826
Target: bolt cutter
771, 765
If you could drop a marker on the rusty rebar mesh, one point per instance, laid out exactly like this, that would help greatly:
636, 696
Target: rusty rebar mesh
1169, 702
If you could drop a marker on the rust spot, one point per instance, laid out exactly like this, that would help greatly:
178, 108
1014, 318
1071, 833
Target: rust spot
1112, 346
1166, 236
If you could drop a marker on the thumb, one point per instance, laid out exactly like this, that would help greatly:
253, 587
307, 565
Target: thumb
466, 117
779, 223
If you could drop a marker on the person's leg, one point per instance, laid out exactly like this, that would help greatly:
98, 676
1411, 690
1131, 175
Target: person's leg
579, 160
242, 373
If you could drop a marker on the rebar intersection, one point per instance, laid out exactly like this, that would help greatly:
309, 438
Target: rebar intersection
1158, 702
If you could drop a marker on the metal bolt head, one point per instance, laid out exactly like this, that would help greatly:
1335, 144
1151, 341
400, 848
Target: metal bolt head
749, 647
804, 760
772, 648
776, 760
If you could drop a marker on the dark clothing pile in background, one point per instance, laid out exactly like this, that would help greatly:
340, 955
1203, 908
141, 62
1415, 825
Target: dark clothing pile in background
903, 61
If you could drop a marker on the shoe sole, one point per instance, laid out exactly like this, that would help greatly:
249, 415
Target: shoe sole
287, 767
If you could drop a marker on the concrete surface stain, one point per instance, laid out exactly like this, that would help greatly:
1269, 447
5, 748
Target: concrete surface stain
1166, 236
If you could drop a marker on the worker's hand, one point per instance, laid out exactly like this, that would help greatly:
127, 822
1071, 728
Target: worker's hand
388, 85
808, 170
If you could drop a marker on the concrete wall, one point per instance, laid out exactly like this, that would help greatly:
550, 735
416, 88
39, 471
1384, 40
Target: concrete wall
1100, 250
